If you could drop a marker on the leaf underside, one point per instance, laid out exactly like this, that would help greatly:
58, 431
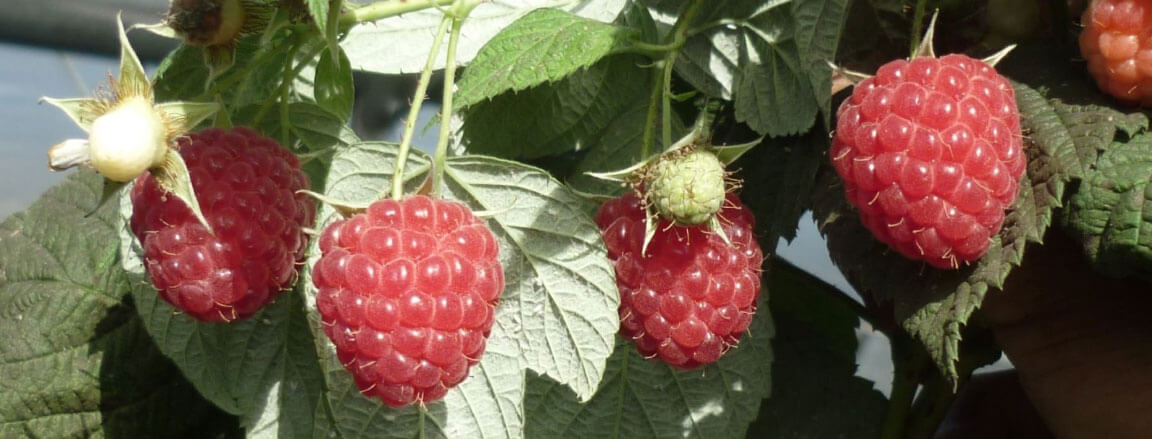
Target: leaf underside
75, 358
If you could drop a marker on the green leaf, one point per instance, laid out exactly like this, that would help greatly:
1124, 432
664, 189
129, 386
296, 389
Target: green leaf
543, 46
754, 60
557, 117
819, 24
780, 174
182, 74
1063, 110
560, 297
311, 127
75, 359
616, 147
244, 367
319, 11
1111, 212
1097, 144
815, 393
641, 398
326, 15
400, 44
333, 84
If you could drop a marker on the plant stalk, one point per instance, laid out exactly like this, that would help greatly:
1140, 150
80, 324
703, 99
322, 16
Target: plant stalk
653, 110
384, 9
930, 408
414, 112
459, 12
679, 36
662, 89
904, 383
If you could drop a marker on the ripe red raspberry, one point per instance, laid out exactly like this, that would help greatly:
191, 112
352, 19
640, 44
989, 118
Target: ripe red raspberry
691, 296
930, 153
1117, 42
407, 293
246, 185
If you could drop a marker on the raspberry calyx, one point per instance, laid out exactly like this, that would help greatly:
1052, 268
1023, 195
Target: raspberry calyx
686, 186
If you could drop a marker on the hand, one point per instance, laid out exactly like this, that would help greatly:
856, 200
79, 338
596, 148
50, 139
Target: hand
1081, 343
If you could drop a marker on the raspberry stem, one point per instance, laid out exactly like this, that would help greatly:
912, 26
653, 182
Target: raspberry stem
459, 12
905, 379
417, 102
384, 9
679, 32
662, 89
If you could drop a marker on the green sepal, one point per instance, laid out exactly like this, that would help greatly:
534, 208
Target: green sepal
133, 81
730, 153
184, 116
83, 111
174, 178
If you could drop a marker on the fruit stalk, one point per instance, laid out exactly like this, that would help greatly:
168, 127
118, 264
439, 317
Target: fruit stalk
459, 13
384, 9
679, 35
904, 383
414, 112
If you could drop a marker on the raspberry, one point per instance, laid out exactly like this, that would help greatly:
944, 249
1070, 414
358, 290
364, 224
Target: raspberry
691, 296
407, 293
246, 185
686, 187
930, 153
1116, 42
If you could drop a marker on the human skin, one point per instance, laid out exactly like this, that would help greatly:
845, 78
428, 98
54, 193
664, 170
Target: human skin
1081, 342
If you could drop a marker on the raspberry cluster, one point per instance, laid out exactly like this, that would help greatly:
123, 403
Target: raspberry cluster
931, 155
246, 185
1117, 43
690, 297
407, 293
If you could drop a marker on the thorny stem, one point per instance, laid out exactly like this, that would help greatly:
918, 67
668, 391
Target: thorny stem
653, 109
908, 362
285, 89
931, 408
385, 9
662, 89
286, 81
417, 102
459, 12
679, 35
918, 25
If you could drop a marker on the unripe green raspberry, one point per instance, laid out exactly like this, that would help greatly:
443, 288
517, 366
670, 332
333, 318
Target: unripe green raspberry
687, 188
